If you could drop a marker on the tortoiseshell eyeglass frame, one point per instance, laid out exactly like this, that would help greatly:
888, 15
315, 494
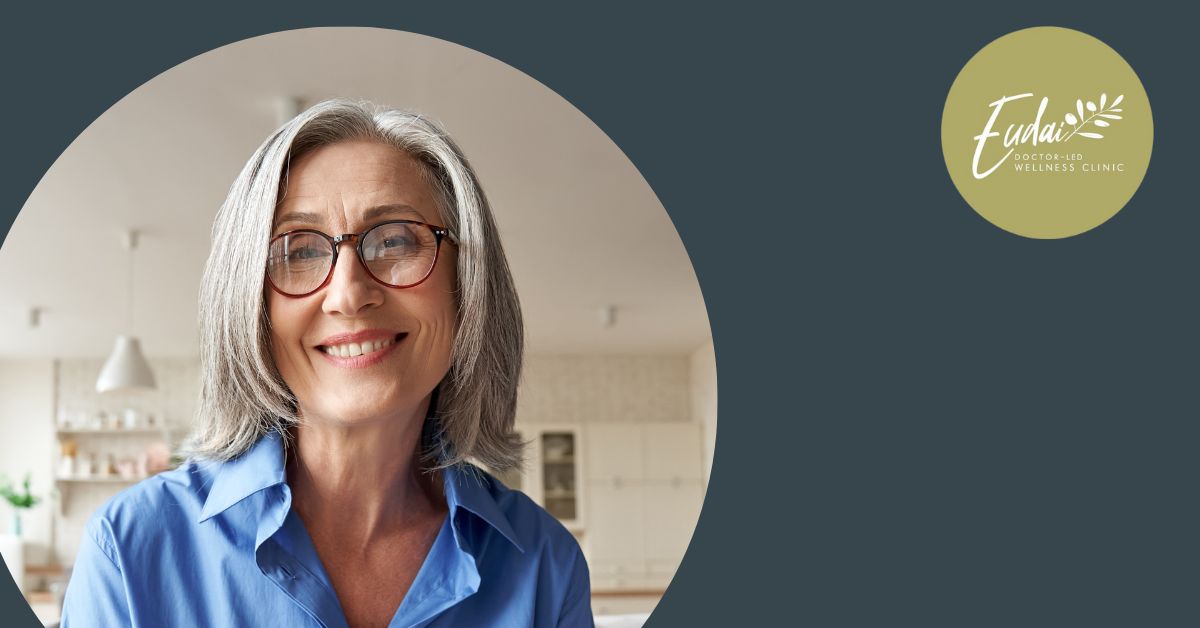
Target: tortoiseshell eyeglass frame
439, 234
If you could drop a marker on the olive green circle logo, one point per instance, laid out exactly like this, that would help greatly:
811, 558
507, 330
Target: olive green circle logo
1047, 132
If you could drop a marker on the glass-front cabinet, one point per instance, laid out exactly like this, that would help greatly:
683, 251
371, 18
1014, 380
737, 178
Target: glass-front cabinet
553, 472
560, 475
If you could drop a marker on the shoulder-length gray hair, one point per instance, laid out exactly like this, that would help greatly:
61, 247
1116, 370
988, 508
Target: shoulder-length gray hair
242, 394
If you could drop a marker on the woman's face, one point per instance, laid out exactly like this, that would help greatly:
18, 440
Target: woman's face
344, 188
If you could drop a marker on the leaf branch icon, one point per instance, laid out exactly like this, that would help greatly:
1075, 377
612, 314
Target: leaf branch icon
1099, 116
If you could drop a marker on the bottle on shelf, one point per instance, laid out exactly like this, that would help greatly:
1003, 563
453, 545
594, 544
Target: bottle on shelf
66, 465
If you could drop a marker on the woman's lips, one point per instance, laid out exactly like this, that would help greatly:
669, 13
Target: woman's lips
363, 353
359, 336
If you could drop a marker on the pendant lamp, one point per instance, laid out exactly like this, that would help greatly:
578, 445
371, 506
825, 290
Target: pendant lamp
126, 369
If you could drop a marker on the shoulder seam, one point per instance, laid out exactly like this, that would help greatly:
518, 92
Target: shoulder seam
104, 546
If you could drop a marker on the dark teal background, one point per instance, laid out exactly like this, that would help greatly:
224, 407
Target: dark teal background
924, 420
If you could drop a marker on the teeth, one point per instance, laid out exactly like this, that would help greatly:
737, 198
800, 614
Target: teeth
354, 349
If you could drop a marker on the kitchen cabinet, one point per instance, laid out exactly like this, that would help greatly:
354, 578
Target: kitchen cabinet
645, 488
553, 475
640, 486
614, 453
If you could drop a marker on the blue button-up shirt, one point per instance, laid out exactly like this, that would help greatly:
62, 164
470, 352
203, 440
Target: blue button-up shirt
218, 544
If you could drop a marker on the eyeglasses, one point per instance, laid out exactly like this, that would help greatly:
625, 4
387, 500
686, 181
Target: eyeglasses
397, 254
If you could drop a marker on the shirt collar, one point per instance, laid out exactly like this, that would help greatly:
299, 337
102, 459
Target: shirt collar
259, 468
466, 487
263, 467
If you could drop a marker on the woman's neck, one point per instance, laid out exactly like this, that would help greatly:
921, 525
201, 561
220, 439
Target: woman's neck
362, 480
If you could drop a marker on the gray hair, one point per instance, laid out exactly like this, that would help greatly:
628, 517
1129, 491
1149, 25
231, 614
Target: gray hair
242, 394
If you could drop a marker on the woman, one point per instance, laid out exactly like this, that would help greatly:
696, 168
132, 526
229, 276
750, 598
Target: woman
361, 340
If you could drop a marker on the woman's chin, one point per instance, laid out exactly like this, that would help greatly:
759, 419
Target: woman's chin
347, 416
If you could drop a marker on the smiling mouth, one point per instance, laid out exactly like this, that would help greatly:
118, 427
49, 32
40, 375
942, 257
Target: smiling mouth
355, 349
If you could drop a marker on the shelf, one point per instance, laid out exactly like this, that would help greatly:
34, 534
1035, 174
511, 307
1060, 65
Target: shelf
39, 597
50, 571
568, 460
65, 486
102, 480
142, 431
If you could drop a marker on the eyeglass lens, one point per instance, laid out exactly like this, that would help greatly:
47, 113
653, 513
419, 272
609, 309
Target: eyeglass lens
396, 254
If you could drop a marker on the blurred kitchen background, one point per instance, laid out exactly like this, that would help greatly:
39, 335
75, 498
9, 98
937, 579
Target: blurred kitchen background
618, 399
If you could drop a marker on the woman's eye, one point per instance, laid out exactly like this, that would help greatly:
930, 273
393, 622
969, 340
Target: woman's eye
396, 241
304, 253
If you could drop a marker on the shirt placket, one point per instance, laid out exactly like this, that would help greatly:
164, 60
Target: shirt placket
447, 577
296, 580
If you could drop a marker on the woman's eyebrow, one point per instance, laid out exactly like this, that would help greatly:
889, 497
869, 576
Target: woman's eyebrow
371, 214
307, 217
389, 210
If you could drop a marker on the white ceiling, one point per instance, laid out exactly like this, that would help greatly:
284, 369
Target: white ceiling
581, 227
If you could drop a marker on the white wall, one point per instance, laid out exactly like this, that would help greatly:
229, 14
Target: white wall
27, 446
703, 393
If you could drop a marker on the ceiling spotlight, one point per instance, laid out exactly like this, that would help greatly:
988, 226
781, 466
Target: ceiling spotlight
608, 316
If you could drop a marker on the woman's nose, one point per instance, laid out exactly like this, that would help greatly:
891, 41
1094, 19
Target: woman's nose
350, 289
